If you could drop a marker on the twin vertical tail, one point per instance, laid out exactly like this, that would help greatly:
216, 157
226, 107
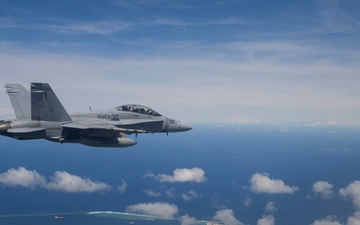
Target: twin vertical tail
20, 100
45, 106
40, 104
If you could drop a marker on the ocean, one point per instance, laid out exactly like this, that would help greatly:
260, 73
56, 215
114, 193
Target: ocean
230, 155
91, 218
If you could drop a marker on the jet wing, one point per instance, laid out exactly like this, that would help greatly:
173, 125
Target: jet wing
83, 128
75, 130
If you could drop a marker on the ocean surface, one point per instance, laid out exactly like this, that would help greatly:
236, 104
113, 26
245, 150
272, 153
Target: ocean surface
230, 155
91, 218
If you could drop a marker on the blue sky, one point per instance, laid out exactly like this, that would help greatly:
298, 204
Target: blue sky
203, 61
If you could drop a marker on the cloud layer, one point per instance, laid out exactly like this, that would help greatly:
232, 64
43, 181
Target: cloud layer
281, 99
61, 181
261, 183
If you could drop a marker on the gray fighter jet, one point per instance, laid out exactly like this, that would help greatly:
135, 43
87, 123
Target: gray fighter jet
40, 115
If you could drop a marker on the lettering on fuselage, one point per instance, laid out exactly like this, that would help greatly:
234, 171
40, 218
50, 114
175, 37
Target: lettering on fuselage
112, 117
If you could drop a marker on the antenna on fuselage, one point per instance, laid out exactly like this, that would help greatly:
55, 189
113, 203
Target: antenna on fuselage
90, 108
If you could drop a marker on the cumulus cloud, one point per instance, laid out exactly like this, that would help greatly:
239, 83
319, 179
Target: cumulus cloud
329, 220
196, 175
22, 177
323, 189
61, 181
158, 209
270, 207
122, 187
261, 183
332, 220
226, 216
266, 220
352, 191
355, 219
187, 220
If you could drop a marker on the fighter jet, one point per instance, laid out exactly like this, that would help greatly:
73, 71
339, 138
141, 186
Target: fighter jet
40, 115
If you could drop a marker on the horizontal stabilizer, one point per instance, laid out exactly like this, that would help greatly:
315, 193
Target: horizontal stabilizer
27, 133
25, 130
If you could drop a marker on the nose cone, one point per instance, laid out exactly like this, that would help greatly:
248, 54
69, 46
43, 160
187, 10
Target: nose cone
184, 127
177, 126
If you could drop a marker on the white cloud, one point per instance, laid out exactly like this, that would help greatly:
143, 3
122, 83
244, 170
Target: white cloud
270, 207
355, 219
187, 220
22, 177
336, 149
63, 181
187, 196
275, 90
122, 187
266, 220
329, 220
323, 189
152, 193
196, 175
332, 220
261, 183
158, 209
352, 191
226, 216
247, 202
148, 175
98, 27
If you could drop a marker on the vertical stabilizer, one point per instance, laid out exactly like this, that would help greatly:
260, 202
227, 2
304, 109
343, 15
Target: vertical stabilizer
20, 100
45, 106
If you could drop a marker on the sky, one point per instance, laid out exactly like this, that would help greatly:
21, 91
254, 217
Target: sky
205, 61
231, 61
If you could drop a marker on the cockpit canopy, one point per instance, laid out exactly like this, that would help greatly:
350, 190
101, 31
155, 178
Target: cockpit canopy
138, 109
